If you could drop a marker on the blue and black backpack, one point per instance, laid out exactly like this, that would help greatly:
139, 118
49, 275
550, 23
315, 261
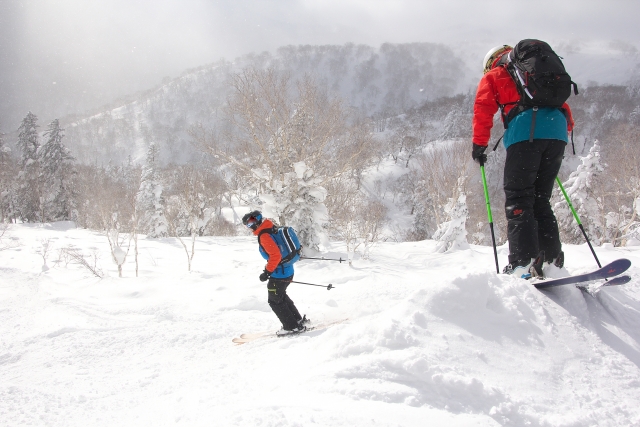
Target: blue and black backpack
288, 243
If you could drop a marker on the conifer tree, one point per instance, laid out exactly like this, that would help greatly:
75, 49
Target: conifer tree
58, 175
29, 183
580, 188
452, 235
150, 198
6, 171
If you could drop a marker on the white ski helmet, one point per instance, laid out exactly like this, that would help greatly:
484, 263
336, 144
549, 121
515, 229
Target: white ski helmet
492, 55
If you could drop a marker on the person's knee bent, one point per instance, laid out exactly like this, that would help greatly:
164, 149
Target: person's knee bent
275, 299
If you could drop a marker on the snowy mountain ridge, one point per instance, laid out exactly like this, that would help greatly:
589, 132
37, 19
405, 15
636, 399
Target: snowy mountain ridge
385, 80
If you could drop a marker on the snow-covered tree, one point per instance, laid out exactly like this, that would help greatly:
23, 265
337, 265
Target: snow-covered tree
438, 174
299, 200
29, 183
580, 188
356, 218
190, 208
28, 141
419, 198
150, 198
273, 126
623, 184
452, 235
6, 181
58, 175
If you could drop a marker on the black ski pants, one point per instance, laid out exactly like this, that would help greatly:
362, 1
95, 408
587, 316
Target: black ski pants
281, 304
529, 175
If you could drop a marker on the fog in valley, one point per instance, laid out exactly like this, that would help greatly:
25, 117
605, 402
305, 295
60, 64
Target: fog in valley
73, 57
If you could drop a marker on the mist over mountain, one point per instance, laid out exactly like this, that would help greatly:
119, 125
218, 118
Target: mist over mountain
376, 81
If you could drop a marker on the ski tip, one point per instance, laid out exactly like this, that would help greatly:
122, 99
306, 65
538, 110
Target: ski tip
620, 280
619, 265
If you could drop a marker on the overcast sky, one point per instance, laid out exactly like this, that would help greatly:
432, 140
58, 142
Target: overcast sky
56, 53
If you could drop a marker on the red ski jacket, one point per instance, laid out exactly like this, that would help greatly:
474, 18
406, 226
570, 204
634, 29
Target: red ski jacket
498, 88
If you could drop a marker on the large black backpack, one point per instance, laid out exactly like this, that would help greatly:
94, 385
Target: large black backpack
540, 78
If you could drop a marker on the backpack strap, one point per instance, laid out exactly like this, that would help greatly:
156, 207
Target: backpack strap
288, 241
271, 230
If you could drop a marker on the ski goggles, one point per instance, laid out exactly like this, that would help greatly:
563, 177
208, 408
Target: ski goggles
251, 222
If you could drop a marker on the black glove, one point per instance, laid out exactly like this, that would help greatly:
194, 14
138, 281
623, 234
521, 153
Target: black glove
265, 276
478, 153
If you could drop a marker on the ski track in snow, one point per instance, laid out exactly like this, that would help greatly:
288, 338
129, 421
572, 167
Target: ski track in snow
437, 338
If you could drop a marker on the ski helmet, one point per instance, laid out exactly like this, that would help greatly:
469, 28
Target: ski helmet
252, 219
493, 55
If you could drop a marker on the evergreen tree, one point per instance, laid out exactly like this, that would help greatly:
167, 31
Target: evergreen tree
150, 199
580, 189
28, 141
419, 199
452, 235
58, 175
6, 172
29, 184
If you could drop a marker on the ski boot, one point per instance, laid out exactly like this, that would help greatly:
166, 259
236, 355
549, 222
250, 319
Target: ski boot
526, 269
557, 261
303, 321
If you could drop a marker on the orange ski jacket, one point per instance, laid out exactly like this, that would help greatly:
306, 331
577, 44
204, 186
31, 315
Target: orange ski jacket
270, 247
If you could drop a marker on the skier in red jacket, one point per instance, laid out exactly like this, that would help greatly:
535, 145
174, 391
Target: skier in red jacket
531, 166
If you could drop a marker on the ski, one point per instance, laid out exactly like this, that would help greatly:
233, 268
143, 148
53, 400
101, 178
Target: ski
245, 338
610, 270
620, 280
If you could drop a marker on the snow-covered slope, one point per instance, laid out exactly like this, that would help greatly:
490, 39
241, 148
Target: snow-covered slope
427, 339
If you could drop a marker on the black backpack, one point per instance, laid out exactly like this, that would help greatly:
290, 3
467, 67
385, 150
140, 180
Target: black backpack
540, 78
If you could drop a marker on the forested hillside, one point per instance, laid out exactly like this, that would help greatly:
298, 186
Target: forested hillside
378, 82
343, 142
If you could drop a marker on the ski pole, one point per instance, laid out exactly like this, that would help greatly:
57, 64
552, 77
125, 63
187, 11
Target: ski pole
324, 259
486, 198
311, 284
575, 215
